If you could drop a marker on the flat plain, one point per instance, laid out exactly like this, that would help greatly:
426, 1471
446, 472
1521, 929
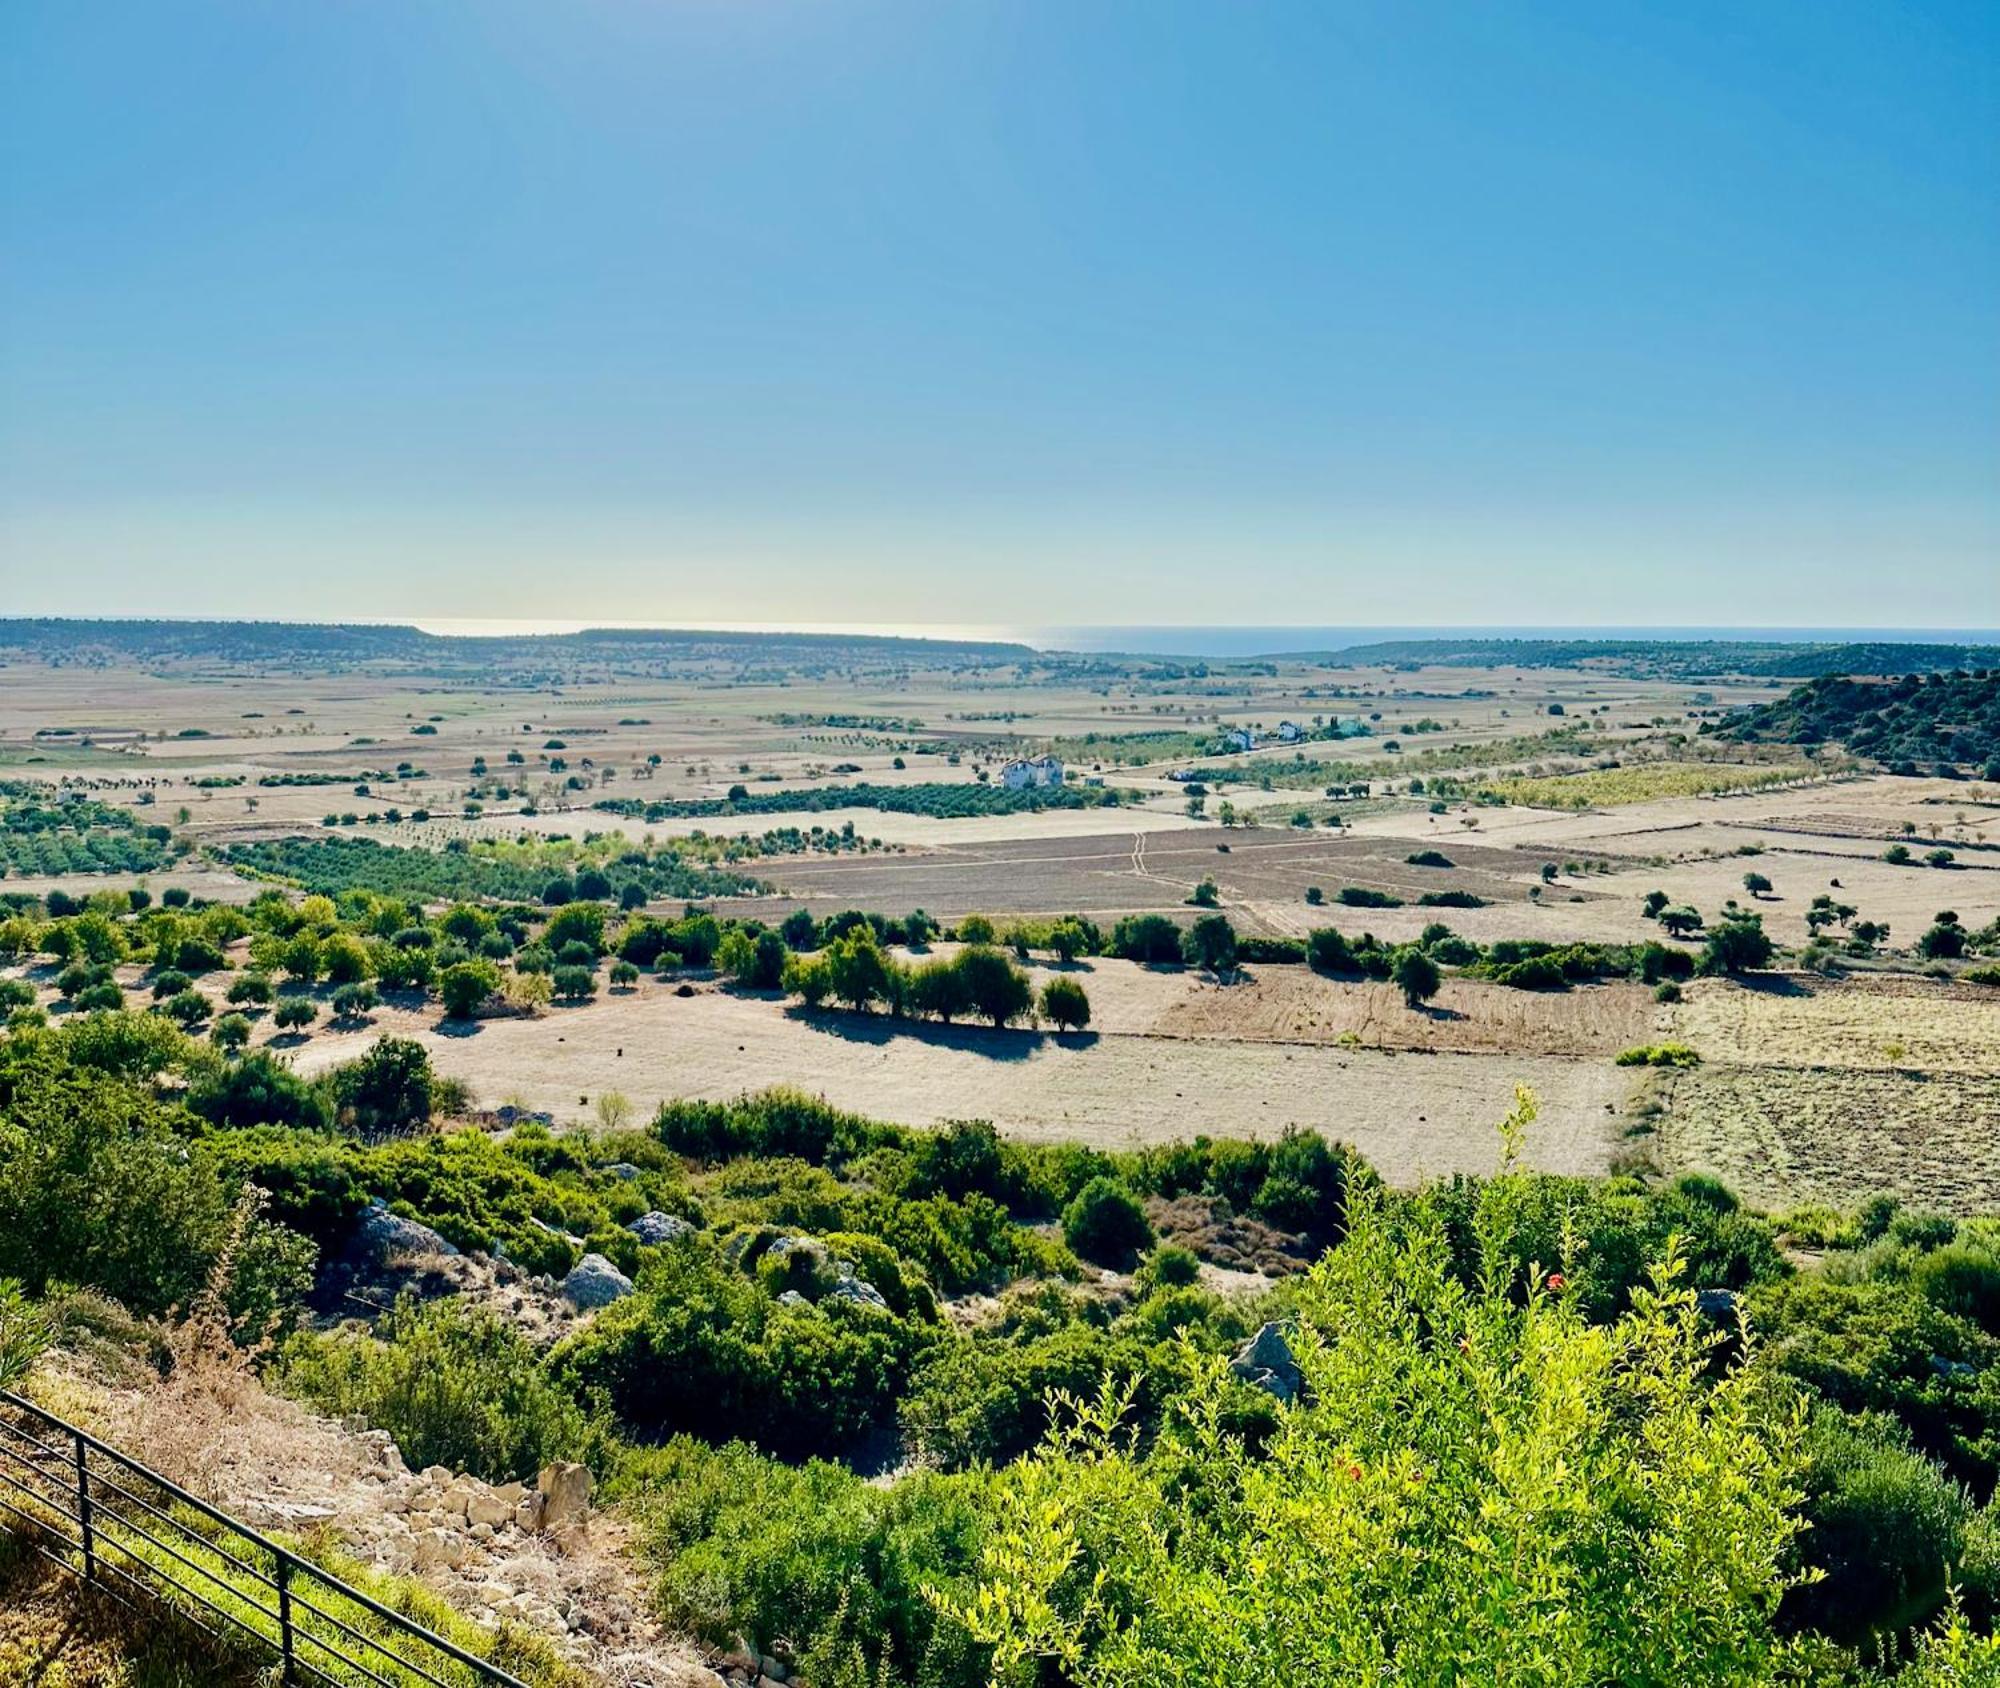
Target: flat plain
1808, 1089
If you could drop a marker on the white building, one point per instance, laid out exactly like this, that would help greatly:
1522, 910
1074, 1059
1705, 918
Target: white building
1239, 738
1290, 732
1031, 771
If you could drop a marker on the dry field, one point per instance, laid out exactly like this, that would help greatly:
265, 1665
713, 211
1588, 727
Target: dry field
1783, 1135
1820, 1091
1292, 1004
1413, 1115
1864, 1025
1261, 876
1810, 1090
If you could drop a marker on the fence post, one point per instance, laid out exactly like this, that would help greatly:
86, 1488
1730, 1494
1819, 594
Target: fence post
284, 1579
83, 1507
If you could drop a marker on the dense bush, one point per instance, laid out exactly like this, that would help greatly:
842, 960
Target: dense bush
814, 1555
455, 1387
1378, 1521
1888, 1531
1105, 1223
701, 1349
97, 1188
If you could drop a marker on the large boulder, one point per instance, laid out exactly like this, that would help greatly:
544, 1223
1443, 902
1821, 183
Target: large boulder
655, 1228
565, 1492
379, 1234
594, 1282
1265, 1362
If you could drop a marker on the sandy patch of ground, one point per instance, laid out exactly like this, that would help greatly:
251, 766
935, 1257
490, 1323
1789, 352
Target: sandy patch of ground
1411, 1114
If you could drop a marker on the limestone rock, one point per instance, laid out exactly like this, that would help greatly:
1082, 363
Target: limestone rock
594, 1282
851, 1286
1265, 1362
380, 1233
565, 1489
490, 1508
655, 1228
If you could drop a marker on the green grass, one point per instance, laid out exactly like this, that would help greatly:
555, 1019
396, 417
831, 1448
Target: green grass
1603, 788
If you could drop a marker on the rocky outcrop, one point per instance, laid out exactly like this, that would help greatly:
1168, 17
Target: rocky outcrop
1265, 1362
656, 1228
378, 1234
594, 1282
849, 1285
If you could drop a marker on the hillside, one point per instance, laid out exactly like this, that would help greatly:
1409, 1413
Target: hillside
1683, 658
1947, 721
368, 646
1801, 662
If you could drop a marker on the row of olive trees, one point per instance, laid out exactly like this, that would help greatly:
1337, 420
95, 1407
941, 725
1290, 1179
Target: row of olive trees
977, 983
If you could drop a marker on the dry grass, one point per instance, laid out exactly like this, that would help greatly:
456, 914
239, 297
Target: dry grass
1292, 1004
1412, 1114
1781, 1136
1886, 1024
192, 1424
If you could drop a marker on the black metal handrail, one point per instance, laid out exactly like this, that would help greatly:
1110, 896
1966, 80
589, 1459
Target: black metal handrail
120, 1525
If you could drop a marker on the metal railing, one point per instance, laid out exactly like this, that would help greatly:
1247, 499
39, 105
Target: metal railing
141, 1539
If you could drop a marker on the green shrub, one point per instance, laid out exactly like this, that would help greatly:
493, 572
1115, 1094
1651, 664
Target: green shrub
455, 1387
465, 987
96, 1185
812, 1554
1659, 1055
260, 1090
1066, 1005
700, 1349
1887, 1529
1106, 1224
385, 1092
1378, 1523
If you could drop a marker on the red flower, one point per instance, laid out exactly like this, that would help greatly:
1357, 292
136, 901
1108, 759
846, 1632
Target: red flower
1556, 1280
1354, 1473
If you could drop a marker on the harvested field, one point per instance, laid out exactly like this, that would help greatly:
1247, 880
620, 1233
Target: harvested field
1108, 874
1859, 1025
1411, 1114
1779, 1136
1293, 1004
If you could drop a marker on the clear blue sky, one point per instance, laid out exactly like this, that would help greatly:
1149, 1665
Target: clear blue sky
1046, 311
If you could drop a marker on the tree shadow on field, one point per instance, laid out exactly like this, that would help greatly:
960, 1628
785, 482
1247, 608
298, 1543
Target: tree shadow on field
995, 1044
1773, 984
448, 1027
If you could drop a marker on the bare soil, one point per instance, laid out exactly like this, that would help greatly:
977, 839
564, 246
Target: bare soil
1412, 1114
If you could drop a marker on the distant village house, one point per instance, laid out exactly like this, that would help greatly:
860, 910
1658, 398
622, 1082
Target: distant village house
1032, 771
